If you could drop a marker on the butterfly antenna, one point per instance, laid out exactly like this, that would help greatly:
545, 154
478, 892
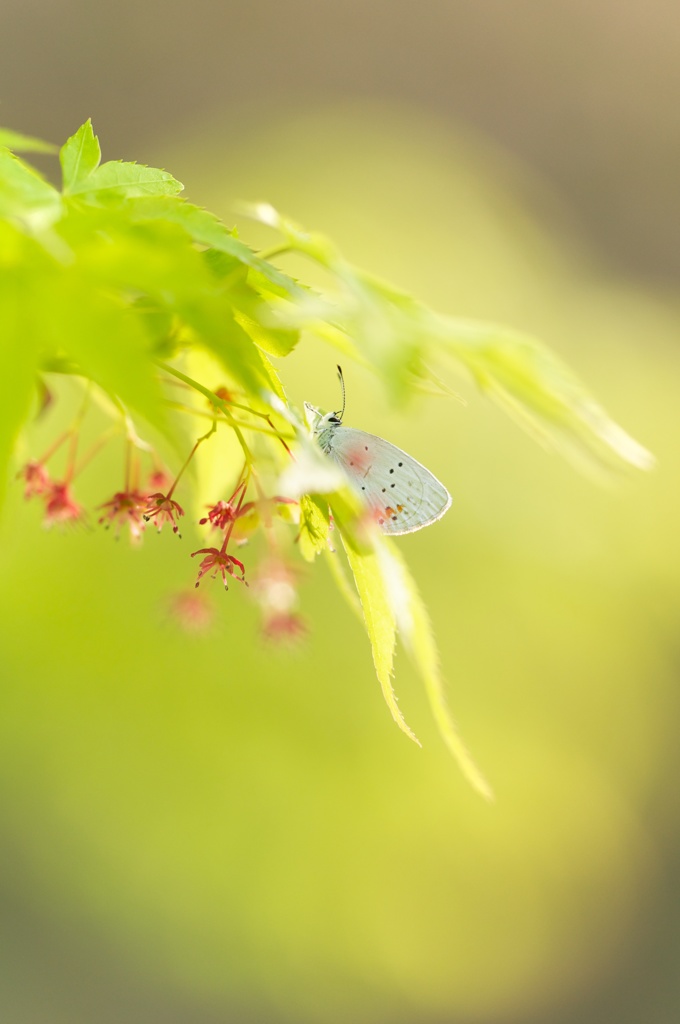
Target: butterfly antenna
342, 385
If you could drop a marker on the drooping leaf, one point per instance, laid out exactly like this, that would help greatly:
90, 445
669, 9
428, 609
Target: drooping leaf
415, 630
342, 581
379, 620
396, 334
535, 387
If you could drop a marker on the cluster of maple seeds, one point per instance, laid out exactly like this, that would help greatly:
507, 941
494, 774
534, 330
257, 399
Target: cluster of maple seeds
274, 584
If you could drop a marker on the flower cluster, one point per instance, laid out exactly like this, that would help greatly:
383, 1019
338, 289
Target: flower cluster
234, 519
56, 495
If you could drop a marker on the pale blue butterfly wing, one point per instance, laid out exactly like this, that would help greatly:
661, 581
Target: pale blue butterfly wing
402, 495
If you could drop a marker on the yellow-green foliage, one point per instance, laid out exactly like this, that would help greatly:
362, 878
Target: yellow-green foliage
119, 283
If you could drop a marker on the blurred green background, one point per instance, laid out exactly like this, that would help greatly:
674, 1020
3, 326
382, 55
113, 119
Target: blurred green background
194, 828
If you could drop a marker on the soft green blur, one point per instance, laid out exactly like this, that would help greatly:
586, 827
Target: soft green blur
219, 827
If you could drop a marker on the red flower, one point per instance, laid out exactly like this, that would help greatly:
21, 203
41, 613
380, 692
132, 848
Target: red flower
191, 611
283, 627
221, 563
158, 480
275, 591
36, 477
60, 506
125, 507
245, 518
223, 513
163, 509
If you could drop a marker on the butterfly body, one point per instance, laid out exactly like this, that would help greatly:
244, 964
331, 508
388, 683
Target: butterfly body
402, 495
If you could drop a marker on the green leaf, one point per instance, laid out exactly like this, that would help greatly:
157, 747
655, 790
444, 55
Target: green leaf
104, 338
379, 620
261, 320
206, 229
342, 582
157, 261
25, 197
396, 335
314, 526
24, 143
79, 158
219, 332
258, 320
273, 380
118, 179
415, 630
110, 346
542, 394
19, 346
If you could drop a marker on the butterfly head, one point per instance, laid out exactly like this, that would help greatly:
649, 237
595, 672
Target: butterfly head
323, 425
318, 421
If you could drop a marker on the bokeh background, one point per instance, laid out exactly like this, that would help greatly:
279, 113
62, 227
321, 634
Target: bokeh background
194, 828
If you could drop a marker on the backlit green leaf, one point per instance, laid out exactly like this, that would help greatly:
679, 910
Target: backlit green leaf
259, 322
379, 620
79, 158
118, 179
535, 387
415, 630
397, 335
25, 197
103, 338
205, 228
314, 526
24, 143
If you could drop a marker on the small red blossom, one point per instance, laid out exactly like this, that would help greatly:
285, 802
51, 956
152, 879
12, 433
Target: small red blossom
276, 593
284, 627
60, 506
242, 520
36, 478
125, 507
191, 611
158, 480
223, 513
221, 563
163, 509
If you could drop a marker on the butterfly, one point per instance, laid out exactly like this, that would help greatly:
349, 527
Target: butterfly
402, 495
